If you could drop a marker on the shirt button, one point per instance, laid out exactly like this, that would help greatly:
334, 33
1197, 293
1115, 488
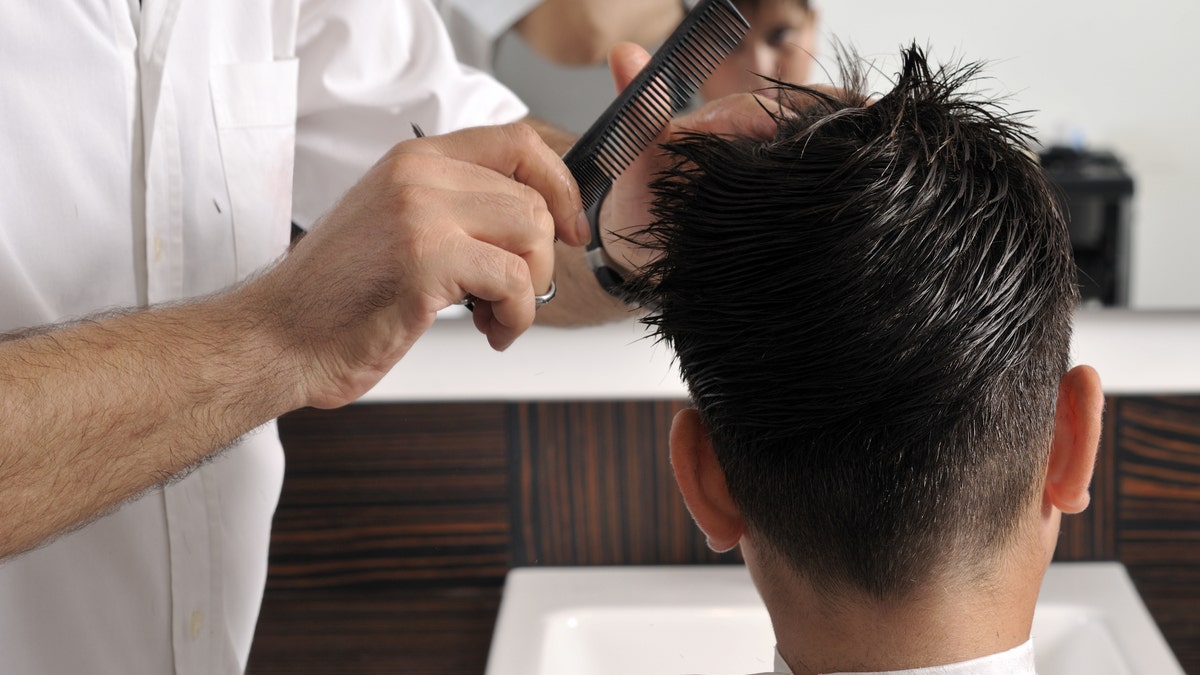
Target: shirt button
196, 625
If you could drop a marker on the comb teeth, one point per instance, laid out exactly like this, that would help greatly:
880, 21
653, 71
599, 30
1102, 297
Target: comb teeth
703, 39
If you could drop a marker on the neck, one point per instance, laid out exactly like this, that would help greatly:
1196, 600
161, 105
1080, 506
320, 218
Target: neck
950, 623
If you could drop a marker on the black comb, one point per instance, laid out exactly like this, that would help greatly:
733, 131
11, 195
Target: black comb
703, 39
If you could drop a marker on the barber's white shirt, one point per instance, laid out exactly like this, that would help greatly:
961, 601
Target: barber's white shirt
148, 156
1016, 661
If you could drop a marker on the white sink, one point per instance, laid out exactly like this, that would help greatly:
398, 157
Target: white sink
709, 620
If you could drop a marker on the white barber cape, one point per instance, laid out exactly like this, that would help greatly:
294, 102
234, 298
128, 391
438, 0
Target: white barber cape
1015, 661
148, 156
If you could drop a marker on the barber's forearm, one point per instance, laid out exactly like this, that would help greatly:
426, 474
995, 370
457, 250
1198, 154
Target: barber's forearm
95, 413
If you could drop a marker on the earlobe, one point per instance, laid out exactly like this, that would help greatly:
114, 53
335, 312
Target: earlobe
702, 482
1077, 424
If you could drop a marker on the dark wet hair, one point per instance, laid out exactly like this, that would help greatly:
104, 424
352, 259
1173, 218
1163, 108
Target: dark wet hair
872, 312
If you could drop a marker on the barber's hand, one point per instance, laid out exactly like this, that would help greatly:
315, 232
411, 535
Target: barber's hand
626, 210
436, 219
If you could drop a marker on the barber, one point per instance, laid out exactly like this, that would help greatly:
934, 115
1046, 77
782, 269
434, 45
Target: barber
147, 186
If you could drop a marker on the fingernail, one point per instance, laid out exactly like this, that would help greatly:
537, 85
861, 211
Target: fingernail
582, 228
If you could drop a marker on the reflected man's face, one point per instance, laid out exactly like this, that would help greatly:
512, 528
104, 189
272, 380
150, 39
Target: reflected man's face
780, 44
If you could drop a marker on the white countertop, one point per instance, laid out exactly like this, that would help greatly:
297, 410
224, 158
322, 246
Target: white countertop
1136, 352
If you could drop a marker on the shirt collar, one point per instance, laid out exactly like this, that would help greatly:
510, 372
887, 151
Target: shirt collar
1015, 661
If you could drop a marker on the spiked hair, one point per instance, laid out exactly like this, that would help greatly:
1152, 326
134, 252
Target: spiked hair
872, 312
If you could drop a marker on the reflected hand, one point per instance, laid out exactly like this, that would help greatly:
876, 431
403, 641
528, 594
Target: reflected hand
626, 210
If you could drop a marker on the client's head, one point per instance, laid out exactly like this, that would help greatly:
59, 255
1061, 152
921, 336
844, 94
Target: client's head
872, 312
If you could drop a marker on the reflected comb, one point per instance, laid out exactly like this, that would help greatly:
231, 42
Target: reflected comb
703, 39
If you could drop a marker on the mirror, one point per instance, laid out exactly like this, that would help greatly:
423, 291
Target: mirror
1113, 77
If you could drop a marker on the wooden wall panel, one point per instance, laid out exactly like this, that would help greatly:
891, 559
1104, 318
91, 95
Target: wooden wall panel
1158, 518
1159, 477
398, 522
415, 630
594, 487
392, 494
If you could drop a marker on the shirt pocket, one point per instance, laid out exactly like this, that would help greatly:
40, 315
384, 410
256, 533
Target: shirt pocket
254, 106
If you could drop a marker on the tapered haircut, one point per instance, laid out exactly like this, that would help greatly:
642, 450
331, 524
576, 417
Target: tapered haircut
872, 312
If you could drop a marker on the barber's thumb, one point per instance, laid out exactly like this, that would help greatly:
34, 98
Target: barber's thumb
626, 60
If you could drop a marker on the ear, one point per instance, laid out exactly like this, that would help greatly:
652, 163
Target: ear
702, 482
1076, 440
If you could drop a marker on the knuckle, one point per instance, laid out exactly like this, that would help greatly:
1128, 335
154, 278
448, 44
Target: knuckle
510, 205
478, 257
408, 195
404, 167
515, 273
529, 195
536, 211
413, 146
544, 222
523, 135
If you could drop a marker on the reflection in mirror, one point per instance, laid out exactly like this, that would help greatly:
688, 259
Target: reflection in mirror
1108, 82
1094, 193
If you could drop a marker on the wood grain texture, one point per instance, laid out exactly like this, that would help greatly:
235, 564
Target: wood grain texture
380, 494
1157, 444
430, 630
594, 487
398, 522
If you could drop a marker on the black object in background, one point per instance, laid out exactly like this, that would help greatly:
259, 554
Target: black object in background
1095, 193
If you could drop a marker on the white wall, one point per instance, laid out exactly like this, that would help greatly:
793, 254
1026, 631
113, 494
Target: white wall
1126, 75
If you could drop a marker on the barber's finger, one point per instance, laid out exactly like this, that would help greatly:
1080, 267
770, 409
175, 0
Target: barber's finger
516, 150
484, 320
654, 105
481, 315
736, 115
625, 61
500, 280
434, 170
741, 114
519, 224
